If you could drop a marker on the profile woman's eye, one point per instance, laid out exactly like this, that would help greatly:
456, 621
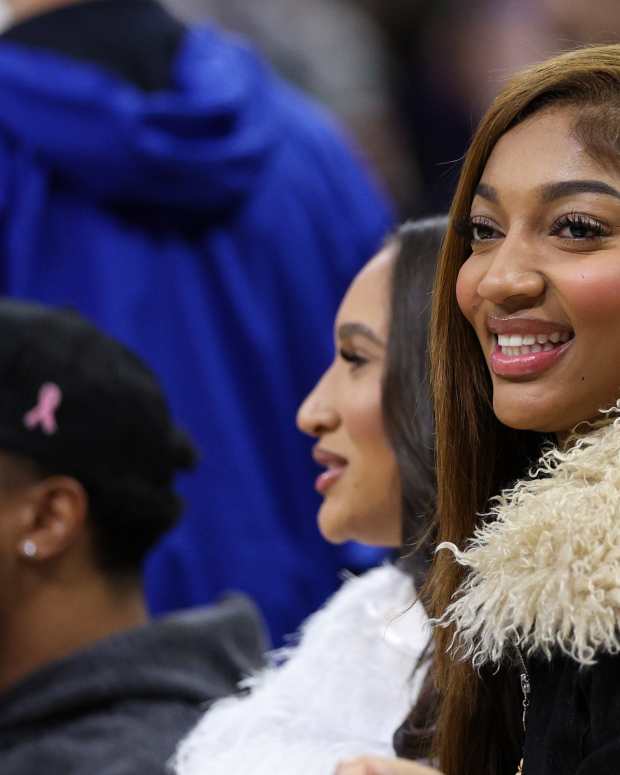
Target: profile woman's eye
352, 358
577, 226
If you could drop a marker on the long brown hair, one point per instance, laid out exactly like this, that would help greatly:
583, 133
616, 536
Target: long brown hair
478, 727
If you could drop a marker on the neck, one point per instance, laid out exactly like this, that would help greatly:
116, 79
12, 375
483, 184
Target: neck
57, 621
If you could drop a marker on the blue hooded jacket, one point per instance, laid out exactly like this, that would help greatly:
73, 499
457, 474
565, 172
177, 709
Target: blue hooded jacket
213, 227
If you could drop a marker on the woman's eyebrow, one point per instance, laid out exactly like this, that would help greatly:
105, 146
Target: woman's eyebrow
552, 191
549, 192
486, 192
347, 330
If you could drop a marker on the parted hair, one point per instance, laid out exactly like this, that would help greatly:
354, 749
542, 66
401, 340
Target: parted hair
478, 726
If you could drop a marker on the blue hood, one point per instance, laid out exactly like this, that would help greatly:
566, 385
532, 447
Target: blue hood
200, 146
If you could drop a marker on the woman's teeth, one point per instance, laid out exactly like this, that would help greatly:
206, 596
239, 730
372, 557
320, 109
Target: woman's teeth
517, 344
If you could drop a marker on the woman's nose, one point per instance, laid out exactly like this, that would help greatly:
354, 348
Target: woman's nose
317, 414
512, 279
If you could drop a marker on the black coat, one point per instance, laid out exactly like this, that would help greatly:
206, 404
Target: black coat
543, 578
121, 706
573, 721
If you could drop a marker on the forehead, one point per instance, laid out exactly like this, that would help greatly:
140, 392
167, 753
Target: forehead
368, 298
541, 150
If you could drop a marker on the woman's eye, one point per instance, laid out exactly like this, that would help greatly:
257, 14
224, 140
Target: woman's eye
353, 358
478, 229
579, 227
482, 231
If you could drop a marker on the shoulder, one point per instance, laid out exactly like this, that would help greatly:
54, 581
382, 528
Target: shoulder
230, 636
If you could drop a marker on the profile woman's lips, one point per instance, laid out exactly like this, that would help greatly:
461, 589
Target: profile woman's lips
335, 465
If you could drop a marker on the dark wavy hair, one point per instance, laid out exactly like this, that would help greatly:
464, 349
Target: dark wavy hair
408, 418
407, 407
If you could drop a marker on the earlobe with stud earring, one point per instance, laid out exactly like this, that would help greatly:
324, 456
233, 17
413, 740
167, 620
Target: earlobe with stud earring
29, 548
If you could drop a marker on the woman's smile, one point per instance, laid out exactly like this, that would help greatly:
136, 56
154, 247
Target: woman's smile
525, 347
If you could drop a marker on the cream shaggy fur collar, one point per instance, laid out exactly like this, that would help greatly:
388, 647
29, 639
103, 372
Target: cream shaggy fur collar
544, 571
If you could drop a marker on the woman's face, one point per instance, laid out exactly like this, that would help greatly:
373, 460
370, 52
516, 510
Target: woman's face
360, 484
542, 285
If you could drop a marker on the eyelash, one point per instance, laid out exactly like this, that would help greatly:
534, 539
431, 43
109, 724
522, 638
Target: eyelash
596, 227
352, 358
466, 227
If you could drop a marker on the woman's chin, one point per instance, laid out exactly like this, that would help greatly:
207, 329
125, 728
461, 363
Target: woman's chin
333, 523
530, 412
529, 421
339, 525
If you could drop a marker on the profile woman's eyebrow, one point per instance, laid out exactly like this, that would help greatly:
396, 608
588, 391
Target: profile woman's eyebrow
347, 330
549, 192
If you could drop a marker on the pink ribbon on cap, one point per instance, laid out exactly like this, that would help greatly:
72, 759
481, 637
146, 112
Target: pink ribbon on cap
44, 413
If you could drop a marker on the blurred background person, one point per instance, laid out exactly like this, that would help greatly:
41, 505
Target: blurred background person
165, 182
349, 682
446, 61
577, 22
88, 455
410, 78
332, 50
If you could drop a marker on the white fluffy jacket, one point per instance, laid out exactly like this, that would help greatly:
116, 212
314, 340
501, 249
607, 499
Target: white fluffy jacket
544, 575
341, 692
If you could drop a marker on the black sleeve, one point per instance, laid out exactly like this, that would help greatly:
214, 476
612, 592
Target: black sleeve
601, 691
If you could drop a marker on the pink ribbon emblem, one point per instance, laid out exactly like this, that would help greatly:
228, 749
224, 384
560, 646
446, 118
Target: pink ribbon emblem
44, 413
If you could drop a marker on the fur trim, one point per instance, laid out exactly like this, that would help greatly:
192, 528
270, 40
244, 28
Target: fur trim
340, 693
544, 573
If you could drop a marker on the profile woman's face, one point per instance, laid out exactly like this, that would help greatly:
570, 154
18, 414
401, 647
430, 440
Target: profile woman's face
360, 484
542, 285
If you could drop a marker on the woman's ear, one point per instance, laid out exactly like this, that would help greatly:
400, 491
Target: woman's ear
53, 518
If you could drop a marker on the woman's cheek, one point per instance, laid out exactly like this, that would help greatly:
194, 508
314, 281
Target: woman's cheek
466, 290
365, 417
593, 295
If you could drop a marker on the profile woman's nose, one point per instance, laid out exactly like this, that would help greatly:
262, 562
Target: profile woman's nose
317, 414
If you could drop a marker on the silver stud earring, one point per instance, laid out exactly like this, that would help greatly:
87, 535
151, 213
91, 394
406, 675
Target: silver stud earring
29, 548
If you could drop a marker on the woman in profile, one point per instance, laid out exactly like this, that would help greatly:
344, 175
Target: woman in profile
348, 683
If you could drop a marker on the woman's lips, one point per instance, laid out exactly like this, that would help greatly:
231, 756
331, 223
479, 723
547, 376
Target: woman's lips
335, 465
325, 480
528, 365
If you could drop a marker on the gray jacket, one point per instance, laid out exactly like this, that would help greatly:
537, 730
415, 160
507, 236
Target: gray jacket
121, 706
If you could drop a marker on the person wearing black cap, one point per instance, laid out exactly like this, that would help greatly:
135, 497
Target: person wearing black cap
88, 454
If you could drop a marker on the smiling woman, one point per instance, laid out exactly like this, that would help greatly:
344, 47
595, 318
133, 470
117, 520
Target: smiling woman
526, 366
542, 284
